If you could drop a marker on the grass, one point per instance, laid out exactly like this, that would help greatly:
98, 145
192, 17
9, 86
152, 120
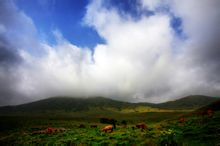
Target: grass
163, 129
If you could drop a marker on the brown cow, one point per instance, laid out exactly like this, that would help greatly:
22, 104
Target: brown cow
39, 132
182, 120
210, 113
108, 128
49, 130
93, 126
141, 126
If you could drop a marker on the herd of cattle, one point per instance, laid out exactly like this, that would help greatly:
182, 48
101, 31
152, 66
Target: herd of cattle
49, 130
108, 128
112, 124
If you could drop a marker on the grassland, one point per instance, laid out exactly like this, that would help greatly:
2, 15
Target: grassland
164, 128
29, 124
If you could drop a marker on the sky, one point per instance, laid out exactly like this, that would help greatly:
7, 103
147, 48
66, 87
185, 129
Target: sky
130, 50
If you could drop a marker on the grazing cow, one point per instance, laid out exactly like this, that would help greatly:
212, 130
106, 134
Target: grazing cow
141, 126
82, 126
124, 123
182, 120
108, 128
53, 130
49, 130
210, 113
132, 127
61, 129
39, 132
108, 121
93, 126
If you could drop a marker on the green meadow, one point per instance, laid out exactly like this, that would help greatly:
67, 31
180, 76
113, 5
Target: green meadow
162, 129
75, 124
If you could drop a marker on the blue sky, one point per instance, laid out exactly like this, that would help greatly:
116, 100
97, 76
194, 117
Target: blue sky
67, 17
64, 15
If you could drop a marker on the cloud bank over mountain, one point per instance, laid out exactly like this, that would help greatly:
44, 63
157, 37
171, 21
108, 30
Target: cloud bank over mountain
145, 56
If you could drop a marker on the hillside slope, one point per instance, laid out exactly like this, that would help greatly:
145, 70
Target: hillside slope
68, 104
215, 106
189, 102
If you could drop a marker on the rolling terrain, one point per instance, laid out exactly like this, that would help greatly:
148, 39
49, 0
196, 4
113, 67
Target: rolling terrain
188, 102
214, 106
95, 104
170, 123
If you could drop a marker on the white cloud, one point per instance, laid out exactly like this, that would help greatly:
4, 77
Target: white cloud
137, 59
55, 73
151, 4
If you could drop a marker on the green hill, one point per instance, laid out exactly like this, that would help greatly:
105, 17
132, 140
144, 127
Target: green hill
215, 106
67, 104
189, 102
94, 104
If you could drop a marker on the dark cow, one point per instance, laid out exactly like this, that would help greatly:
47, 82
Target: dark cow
49, 130
208, 112
93, 126
82, 126
142, 126
182, 120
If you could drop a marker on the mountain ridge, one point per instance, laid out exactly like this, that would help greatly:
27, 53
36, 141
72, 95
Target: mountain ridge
70, 104
188, 102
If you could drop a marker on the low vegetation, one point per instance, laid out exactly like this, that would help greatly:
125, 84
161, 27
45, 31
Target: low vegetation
166, 128
193, 130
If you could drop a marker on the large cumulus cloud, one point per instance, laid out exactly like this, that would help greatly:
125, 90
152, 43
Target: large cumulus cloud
16, 32
142, 60
201, 50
